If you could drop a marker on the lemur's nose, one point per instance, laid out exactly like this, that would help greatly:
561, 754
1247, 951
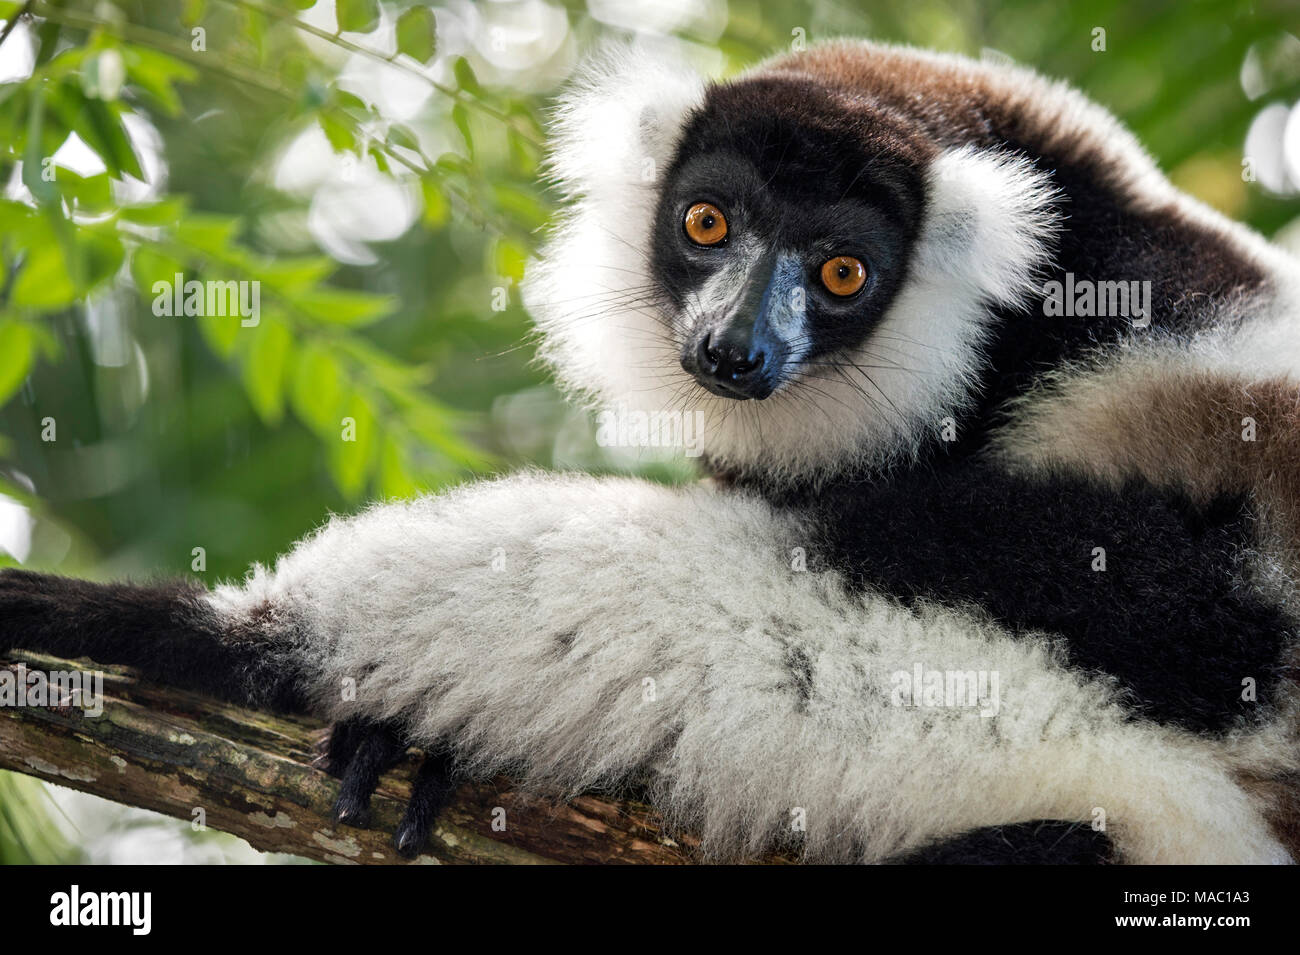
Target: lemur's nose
735, 367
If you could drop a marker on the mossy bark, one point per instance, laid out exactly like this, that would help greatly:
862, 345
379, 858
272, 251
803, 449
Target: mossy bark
250, 773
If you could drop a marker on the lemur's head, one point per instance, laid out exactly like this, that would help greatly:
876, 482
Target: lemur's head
806, 271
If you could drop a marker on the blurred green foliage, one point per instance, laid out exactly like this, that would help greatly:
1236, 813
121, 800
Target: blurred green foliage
176, 433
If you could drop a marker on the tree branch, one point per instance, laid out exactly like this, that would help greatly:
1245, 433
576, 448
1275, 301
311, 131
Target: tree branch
250, 774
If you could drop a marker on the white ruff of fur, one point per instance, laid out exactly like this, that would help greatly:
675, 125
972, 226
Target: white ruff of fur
986, 231
492, 623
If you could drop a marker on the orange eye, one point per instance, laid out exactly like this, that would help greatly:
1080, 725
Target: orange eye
844, 275
705, 224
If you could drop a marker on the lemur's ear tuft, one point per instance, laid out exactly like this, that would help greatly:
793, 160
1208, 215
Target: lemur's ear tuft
992, 222
619, 122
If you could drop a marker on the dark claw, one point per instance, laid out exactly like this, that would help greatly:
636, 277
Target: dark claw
377, 749
431, 792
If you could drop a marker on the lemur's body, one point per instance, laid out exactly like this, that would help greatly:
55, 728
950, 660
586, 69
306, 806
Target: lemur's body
846, 541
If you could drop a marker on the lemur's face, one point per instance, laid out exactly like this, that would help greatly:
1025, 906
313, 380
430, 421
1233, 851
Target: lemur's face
800, 276
777, 247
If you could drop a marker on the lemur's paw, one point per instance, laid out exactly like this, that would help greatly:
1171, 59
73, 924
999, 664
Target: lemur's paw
335, 750
375, 748
360, 752
431, 792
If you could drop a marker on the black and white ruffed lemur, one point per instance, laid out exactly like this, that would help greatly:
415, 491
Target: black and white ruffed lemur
838, 261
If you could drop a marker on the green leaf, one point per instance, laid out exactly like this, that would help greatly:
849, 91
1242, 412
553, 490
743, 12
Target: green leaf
352, 461
99, 124
106, 120
44, 281
460, 116
254, 31
343, 306
92, 193
63, 262
208, 233
357, 16
192, 12
451, 163
13, 113
338, 132
42, 190
404, 136
509, 259
265, 366
291, 275
156, 74
221, 332
13, 216
150, 267
524, 156
166, 212
394, 477
417, 34
349, 101
318, 389
522, 205
101, 256
465, 77
17, 354
392, 374
436, 207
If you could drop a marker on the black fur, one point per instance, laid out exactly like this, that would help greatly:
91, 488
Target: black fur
1168, 618
169, 633
340, 745
432, 791
377, 750
360, 752
1045, 842
166, 630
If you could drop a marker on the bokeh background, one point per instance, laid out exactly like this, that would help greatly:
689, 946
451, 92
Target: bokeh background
375, 166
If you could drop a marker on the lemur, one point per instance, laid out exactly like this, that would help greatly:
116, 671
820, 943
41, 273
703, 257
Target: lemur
838, 262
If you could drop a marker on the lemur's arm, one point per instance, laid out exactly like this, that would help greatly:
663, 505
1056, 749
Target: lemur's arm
585, 633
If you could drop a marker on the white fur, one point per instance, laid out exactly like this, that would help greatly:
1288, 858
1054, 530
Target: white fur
988, 227
490, 619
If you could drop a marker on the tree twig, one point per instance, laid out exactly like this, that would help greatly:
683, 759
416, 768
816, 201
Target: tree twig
250, 773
